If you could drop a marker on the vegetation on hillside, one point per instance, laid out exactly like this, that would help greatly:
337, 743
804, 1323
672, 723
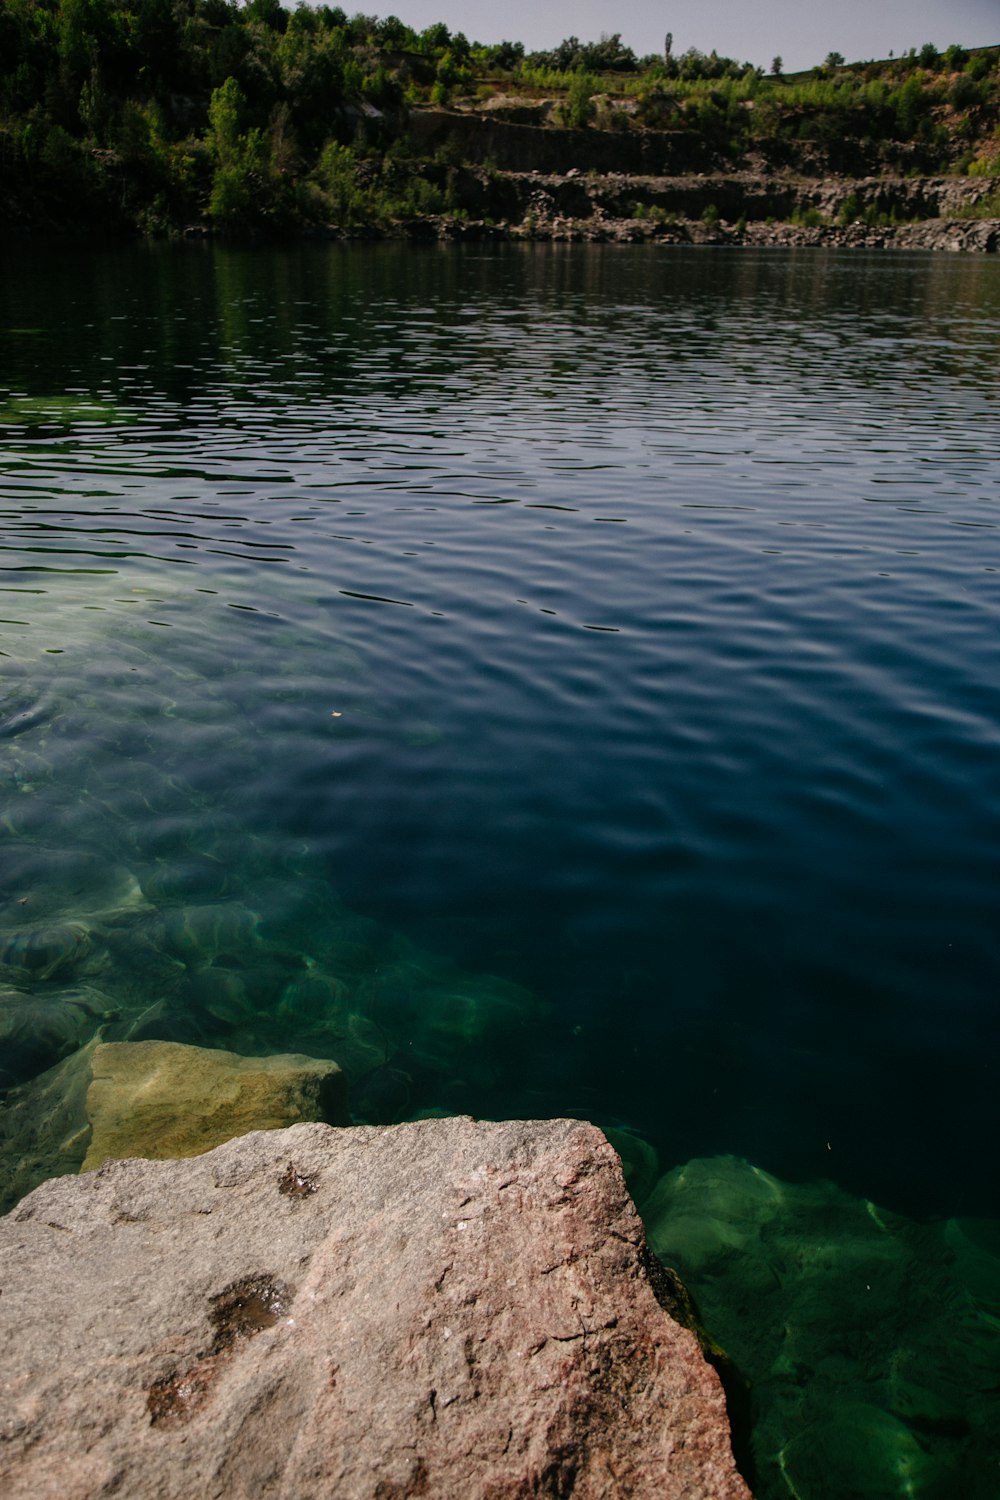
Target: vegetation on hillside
154, 114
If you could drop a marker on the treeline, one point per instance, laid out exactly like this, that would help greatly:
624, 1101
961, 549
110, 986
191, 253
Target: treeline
159, 113
937, 118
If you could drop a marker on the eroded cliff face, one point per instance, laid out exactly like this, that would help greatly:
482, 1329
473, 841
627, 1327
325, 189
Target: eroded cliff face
513, 173
752, 206
446, 1308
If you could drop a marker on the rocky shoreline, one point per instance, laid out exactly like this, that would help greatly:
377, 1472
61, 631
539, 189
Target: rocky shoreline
223, 1196
757, 207
446, 1308
753, 208
980, 236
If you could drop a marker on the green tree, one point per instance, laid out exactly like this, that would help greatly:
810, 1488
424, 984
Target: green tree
909, 103
225, 115
269, 13
243, 184
579, 108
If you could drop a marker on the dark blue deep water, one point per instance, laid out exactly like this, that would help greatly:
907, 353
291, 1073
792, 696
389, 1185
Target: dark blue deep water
579, 666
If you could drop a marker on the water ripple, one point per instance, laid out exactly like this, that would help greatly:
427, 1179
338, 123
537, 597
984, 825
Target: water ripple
624, 615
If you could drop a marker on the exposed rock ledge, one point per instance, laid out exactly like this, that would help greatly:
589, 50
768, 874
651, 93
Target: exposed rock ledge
449, 1308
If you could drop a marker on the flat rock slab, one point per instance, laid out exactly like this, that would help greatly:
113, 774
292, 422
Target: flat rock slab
452, 1309
164, 1099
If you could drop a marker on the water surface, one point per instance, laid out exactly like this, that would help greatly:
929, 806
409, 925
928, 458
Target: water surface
583, 662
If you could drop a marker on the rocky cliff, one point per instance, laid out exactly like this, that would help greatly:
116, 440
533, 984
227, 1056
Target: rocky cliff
520, 181
445, 1308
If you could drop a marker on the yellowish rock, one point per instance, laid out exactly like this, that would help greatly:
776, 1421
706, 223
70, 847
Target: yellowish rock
163, 1099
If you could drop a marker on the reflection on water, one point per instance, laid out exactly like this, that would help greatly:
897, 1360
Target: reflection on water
547, 681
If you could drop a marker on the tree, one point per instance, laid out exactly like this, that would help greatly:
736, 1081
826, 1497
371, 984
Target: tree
270, 13
241, 182
776, 67
579, 107
833, 60
225, 113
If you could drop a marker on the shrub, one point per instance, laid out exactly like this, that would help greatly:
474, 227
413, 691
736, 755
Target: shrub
966, 92
578, 108
850, 209
986, 208
232, 200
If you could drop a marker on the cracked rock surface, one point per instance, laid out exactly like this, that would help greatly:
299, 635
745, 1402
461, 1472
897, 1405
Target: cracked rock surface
448, 1308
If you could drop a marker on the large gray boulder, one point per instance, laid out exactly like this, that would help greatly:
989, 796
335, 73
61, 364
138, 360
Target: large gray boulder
452, 1309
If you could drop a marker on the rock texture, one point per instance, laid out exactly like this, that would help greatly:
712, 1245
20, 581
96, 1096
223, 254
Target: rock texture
153, 1099
164, 1099
548, 198
446, 1308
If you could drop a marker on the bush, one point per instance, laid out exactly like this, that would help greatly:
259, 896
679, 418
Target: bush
232, 200
850, 210
986, 208
966, 92
578, 108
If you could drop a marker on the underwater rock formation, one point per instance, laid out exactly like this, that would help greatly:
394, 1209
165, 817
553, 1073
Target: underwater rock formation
163, 1099
870, 1340
37, 1030
43, 1126
446, 1308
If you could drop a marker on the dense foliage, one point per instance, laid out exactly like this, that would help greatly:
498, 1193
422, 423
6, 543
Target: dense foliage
157, 113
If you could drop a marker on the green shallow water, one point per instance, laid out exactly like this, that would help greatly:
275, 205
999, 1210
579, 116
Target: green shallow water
547, 683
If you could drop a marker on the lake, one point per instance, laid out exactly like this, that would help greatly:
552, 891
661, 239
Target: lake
549, 680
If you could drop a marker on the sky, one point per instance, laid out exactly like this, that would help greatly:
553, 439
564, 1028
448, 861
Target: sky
801, 32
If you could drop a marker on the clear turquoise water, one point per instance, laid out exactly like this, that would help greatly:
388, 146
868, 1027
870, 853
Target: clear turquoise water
622, 625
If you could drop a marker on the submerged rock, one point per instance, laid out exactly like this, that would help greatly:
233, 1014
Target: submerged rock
640, 1162
38, 882
450, 1309
384, 1096
870, 1340
446, 1014
44, 950
198, 934
858, 1449
43, 1126
39, 1029
165, 1099
60, 410
186, 879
